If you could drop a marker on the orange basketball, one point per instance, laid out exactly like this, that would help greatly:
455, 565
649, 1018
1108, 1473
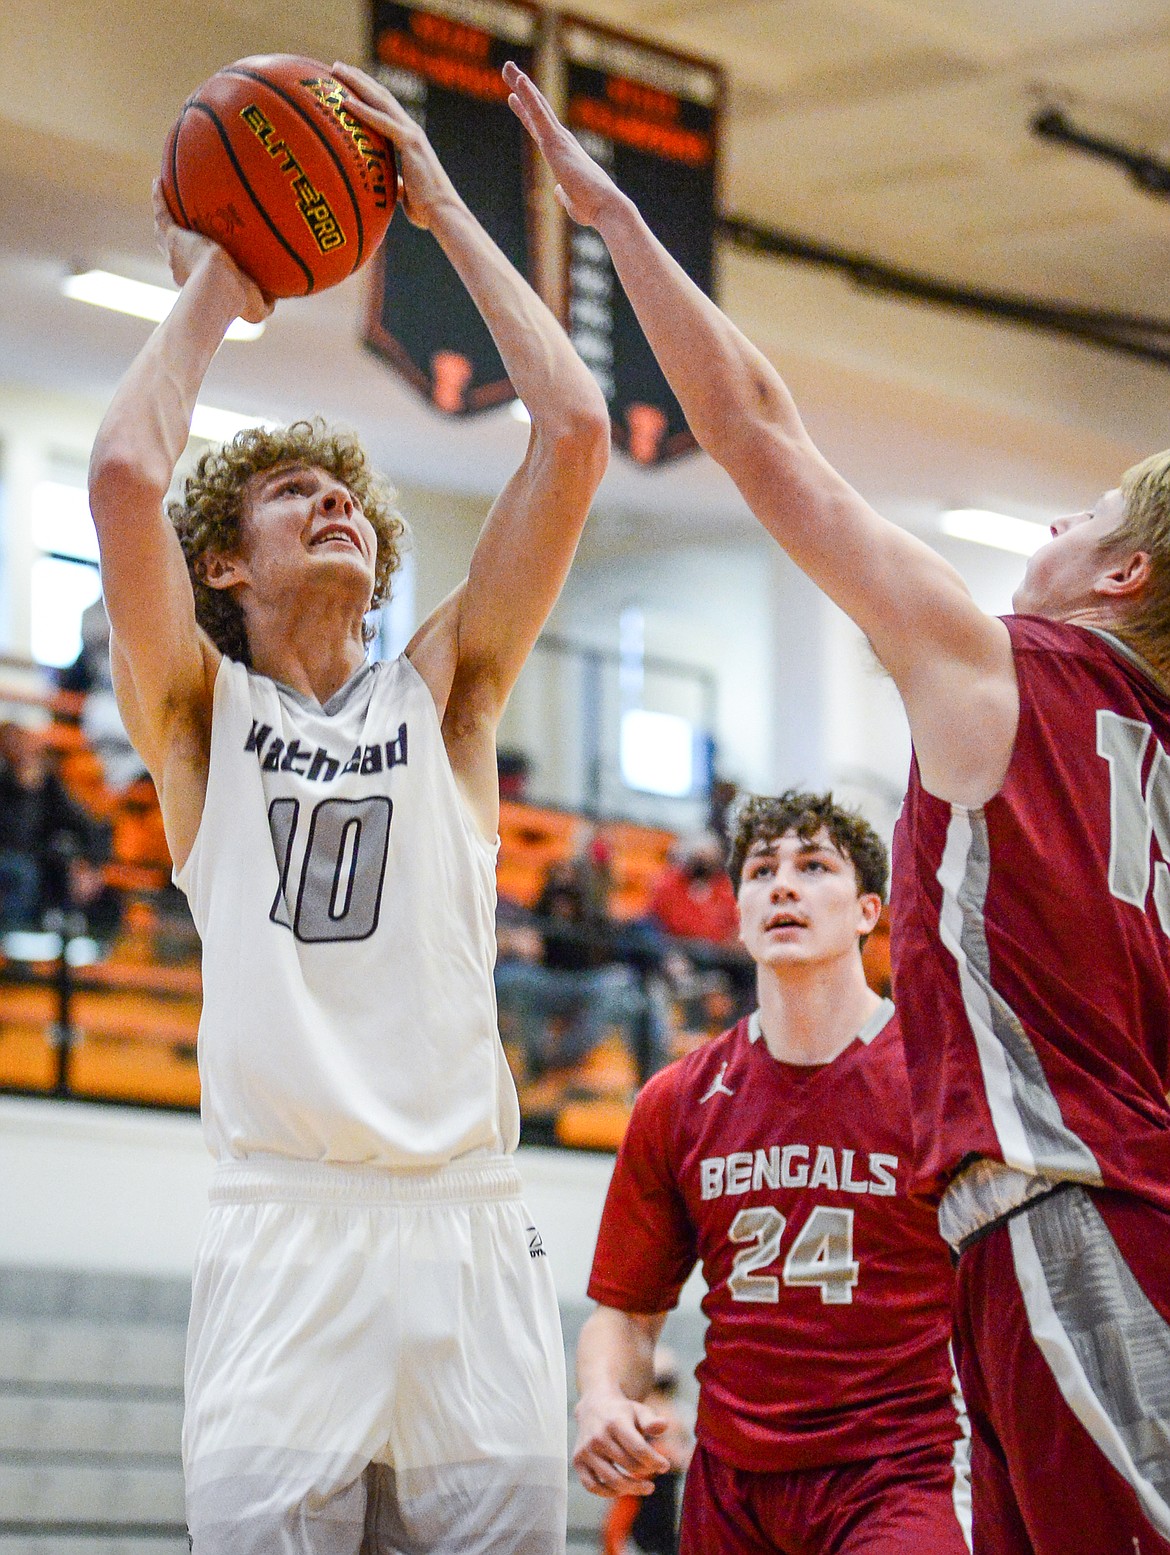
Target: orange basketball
265, 159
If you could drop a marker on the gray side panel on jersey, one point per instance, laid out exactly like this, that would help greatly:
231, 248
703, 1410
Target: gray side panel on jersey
1027, 1119
1106, 1344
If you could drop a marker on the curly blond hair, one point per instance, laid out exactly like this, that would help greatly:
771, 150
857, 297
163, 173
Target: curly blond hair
207, 516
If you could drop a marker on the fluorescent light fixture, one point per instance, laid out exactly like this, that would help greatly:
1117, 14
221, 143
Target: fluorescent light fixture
657, 753
1001, 530
218, 426
122, 295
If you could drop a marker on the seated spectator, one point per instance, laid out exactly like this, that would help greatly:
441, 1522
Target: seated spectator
514, 770
560, 979
692, 897
51, 850
101, 721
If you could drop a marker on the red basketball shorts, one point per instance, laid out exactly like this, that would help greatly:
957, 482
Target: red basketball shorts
907, 1502
1063, 1348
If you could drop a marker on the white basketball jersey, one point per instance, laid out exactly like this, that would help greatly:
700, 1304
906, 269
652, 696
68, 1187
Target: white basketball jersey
346, 903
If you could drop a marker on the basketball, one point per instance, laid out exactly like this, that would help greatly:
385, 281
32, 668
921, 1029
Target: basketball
265, 159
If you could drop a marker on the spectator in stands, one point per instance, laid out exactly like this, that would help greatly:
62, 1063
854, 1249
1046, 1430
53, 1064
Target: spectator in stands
563, 982
514, 769
51, 850
101, 721
721, 803
693, 898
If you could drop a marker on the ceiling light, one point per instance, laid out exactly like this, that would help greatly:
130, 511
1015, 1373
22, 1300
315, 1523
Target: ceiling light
120, 293
218, 426
1002, 530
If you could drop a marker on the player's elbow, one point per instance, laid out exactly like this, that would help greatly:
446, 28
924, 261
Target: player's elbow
749, 411
578, 439
746, 445
575, 420
121, 480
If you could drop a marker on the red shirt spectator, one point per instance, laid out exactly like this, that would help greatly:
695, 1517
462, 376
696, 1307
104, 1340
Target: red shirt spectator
693, 897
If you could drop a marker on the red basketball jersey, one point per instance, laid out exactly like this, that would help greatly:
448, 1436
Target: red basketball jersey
828, 1288
1030, 950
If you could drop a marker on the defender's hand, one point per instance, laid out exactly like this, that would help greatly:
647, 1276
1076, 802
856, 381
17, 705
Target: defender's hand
583, 188
425, 185
615, 1453
184, 251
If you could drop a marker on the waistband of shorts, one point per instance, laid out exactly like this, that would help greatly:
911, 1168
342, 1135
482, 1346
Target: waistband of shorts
984, 1194
277, 1179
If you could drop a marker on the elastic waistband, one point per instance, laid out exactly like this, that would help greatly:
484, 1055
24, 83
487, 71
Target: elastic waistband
274, 1179
986, 1193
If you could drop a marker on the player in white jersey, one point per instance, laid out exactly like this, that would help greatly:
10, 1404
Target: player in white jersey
374, 1359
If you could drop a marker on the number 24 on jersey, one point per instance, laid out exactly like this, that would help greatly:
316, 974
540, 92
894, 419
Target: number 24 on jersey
821, 1255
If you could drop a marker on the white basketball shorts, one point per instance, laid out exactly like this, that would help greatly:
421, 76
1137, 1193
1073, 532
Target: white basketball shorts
374, 1364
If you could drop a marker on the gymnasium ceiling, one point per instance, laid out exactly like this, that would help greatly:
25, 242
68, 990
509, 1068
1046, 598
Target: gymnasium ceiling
898, 129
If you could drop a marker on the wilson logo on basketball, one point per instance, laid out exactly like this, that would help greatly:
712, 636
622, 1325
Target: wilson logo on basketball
331, 97
311, 203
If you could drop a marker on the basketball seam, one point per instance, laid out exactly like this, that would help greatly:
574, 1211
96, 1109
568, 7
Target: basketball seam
181, 213
286, 97
248, 190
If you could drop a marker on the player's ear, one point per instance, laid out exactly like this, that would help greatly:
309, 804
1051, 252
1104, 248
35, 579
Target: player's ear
869, 908
218, 570
1127, 577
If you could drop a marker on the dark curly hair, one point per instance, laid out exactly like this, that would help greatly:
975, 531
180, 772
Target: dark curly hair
764, 819
207, 517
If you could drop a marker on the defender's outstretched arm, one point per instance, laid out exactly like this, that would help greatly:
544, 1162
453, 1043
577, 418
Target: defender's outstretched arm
950, 661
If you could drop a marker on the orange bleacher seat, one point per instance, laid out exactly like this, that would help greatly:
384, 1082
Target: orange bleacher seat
533, 838
875, 955
639, 855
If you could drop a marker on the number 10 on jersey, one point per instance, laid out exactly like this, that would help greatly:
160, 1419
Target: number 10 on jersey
822, 1254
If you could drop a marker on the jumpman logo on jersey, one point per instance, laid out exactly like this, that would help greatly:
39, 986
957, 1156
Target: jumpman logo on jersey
717, 1087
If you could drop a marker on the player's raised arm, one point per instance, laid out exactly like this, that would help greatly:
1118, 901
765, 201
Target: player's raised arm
615, 1454
951, 662
526, 546
164, 665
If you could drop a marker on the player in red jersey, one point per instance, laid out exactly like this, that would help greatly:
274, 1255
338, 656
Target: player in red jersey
1032, 915
778, 1156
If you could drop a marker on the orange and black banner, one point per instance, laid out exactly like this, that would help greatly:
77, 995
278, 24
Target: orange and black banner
442, 59
651, 118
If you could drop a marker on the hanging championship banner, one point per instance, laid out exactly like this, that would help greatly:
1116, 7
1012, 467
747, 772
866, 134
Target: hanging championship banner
442, 60
651, 118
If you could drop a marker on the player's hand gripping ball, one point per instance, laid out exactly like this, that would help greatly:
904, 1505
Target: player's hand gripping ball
266, 160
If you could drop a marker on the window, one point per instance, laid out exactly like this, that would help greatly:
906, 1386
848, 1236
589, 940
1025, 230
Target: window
65, 579
658, 752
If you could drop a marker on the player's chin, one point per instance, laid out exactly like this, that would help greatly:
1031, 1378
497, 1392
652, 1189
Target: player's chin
344, 557
787, 947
